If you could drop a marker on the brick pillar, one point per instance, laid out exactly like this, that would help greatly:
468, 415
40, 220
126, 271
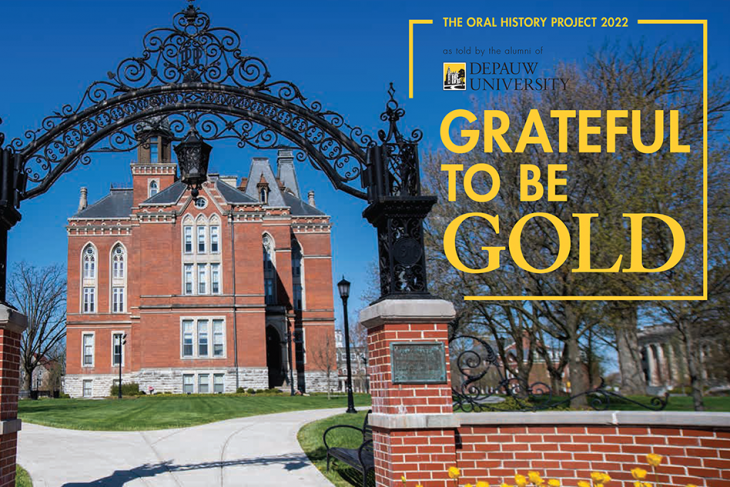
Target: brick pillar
413, 424
12, 325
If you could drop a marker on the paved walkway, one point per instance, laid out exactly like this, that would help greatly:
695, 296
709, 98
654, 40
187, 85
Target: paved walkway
255, 451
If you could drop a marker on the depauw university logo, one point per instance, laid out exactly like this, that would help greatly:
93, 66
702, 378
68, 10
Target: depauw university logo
454, 77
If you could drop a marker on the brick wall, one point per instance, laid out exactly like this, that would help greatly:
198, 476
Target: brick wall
422, 455
693, 454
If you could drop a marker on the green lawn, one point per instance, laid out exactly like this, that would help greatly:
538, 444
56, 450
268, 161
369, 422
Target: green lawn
310, 438
22, 479
167, 411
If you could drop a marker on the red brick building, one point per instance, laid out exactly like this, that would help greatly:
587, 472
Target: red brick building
203, 291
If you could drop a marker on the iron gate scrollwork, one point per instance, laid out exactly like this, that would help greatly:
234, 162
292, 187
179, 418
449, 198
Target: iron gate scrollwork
194, 77
397, 207
480, 382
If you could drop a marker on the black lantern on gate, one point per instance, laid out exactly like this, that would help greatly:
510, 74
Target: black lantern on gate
193, 155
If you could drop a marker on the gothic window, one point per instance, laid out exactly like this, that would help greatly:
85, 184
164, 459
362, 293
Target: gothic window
154, 188
201, 255
269, 270
89, 262
118, 279
89, 300
118, 262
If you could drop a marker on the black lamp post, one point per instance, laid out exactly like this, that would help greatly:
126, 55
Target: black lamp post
344, 288
192, 156
122, 340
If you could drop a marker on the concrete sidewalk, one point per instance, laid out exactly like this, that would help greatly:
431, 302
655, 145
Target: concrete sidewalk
255, 451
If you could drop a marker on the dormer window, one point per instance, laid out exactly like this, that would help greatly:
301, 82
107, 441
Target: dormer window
263, 193
154, 150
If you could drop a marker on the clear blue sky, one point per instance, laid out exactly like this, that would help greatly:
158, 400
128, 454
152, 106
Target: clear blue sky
341, 53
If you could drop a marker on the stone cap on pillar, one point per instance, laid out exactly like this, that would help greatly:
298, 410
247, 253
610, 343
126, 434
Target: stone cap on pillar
407, 311
12, 320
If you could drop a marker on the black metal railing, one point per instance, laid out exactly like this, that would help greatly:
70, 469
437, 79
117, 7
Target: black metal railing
480, 382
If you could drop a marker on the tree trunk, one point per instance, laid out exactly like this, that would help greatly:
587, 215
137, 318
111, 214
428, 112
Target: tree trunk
577, 369
27, 380
633, 380
693, 366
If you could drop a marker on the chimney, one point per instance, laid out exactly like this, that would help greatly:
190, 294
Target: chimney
310, 197
83, 202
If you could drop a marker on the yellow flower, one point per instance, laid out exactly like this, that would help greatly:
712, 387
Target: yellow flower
468, 485
653, 459
642, 484
419, 485
403, 479
606, 478
596, 476
505, 485
482, 483
638, 473
520, 480
583, 483
691, 485
554, 483
535, 478
454, 473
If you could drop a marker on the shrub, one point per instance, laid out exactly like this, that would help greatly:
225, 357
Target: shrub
128, 389
251, 391
63, 395
240, 390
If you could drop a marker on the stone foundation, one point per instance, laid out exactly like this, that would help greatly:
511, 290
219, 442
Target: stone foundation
316, 381
167, 380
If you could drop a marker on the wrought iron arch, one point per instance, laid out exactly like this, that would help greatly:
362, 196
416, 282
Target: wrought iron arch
195, 76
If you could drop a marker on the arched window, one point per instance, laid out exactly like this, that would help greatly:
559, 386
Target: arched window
269, 269
262, 195
297, 275
154, 188
118, 263
202, 271
89, 262
88, 279
118, 279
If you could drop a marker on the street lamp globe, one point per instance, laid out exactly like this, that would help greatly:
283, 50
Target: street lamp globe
344, 288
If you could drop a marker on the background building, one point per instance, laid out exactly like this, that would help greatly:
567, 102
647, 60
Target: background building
204, 292
358, 364
664, 360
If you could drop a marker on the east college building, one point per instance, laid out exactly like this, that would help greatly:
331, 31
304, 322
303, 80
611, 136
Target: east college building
204, 292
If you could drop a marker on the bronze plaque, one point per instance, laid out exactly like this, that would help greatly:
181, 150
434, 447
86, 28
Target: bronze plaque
418, 362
